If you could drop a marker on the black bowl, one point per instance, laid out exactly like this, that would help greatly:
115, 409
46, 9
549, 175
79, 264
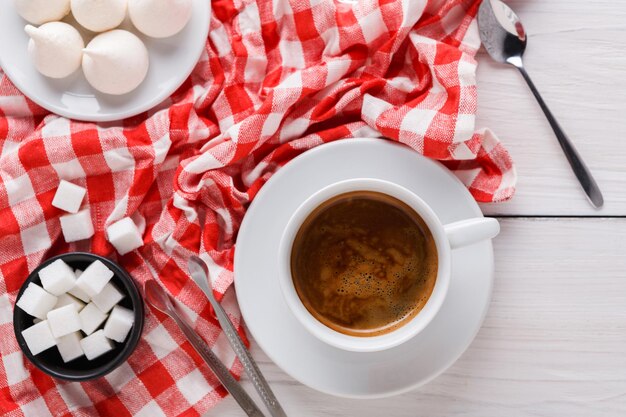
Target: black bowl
82, 369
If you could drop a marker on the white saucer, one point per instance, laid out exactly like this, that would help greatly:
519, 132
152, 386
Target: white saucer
291, 346
171, 61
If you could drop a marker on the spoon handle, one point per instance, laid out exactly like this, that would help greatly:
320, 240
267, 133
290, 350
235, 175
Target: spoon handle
578, 166
218, 368
201, 277
258, 380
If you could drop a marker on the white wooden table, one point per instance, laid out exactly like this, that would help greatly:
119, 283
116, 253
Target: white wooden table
554, 341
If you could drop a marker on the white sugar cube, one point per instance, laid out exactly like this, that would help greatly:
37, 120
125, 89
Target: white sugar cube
36, 301
119, 323
69, 346
124, 235
68, 197
77, 292
77, 226
66, 299
91, 318
36, 320
107, 298
38, 337
57, 278
95, 345
94, 278
64, 320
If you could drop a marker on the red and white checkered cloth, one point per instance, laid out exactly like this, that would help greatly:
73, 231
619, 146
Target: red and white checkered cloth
277, 78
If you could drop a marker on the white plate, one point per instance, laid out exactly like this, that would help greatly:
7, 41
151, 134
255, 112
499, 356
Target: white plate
171, 61
291, 346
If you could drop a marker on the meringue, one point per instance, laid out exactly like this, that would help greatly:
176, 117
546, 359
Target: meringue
99, 15
42, 11
115, 62
160, 18
56, 48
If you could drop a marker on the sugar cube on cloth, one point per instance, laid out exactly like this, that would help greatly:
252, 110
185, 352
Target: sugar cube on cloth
38, 337
96, 345
124, 235
119, 323
36, 301
108, 297
94, 278
64, 320
91, 318
57, 278
77, 226
69, 196
69, 346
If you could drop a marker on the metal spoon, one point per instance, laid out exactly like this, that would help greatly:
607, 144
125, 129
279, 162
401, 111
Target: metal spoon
504, 38
200, 274
161, 301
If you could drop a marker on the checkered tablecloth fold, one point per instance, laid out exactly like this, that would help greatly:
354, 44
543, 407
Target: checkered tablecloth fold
277, 78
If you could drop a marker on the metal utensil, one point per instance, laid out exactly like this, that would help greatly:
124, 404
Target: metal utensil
200, 274
161, 301
504, 38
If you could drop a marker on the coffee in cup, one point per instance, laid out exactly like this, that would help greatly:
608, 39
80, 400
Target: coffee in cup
364, 263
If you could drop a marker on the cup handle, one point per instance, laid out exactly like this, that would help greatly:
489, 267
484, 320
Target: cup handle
466, 232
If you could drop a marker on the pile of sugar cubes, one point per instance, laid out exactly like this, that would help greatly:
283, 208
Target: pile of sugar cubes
124, 234
70, 308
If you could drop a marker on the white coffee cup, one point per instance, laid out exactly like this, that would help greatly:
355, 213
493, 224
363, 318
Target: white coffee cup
446, 237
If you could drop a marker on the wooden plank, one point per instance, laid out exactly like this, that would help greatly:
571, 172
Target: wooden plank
553, 343
576, 57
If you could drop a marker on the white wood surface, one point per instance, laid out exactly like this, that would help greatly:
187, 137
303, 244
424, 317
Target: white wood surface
554, 341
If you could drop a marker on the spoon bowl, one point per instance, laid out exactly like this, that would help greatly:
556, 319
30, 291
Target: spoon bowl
200, 274
502, 32
157, 297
